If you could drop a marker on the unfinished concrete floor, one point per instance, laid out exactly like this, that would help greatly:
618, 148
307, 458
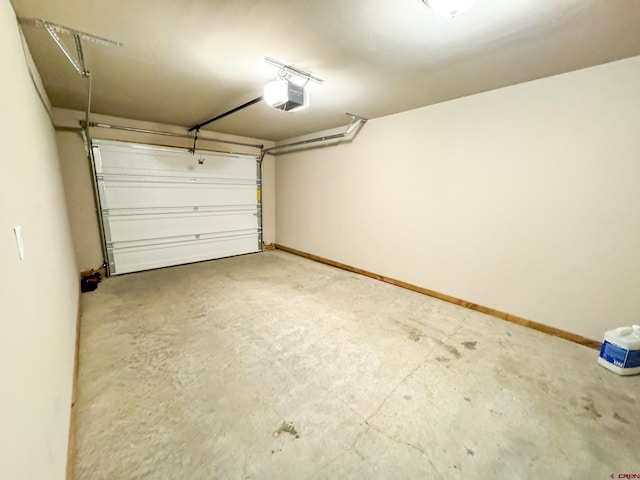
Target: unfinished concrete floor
272, 366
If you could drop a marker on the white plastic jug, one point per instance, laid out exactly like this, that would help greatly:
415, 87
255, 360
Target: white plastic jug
620, 350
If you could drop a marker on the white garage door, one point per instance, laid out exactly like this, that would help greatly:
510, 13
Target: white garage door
165, 206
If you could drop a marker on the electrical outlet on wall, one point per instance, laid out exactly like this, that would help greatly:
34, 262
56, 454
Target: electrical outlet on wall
19, 240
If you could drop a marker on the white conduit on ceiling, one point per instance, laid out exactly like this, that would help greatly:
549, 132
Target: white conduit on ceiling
356, 122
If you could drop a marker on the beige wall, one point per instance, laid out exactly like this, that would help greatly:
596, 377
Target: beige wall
78, 183
38, 295
523, 199
78, 186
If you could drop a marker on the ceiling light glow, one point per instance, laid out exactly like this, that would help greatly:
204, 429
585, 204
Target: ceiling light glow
285, 95
449, 8
275, 92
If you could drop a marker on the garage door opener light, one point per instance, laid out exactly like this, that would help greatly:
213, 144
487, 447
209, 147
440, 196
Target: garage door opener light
288, 93
285, 95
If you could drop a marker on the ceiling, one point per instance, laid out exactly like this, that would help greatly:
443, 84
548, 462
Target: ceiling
184, 61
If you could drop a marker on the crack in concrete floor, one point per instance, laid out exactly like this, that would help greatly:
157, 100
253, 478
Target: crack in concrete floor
367, 420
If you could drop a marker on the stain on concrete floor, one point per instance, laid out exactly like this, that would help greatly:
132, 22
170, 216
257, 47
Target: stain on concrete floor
590, 408
470, 345
414, 335
287, 427
619, 418
452, 350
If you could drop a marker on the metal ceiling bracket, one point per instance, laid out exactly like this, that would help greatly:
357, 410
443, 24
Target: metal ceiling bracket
293, 70
67, 53
105, 42
54, 31
80, 53
195, 141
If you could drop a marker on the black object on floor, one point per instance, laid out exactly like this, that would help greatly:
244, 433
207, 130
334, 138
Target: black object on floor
89, 283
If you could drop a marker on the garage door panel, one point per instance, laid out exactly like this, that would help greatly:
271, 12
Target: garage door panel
163, 206
135, 259
144, 195
131, 160
140, 227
